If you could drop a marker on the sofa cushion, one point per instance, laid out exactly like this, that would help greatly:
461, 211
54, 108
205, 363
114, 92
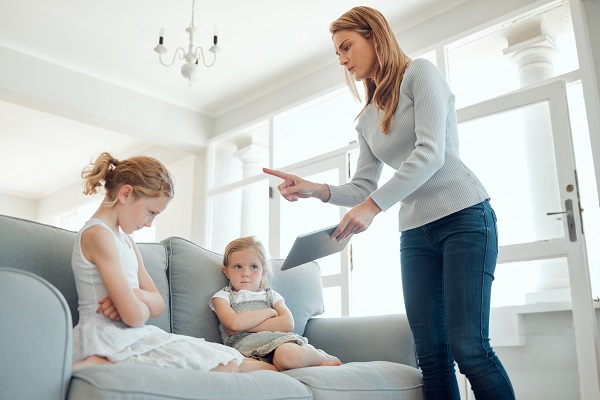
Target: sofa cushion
45, 250
42, 249
114, 382
302, 289
364, 380
155, 260
195, 275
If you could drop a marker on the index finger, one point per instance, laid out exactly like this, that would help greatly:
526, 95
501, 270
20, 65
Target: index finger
276, 173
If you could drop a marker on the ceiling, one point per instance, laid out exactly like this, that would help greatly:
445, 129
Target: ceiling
266, 44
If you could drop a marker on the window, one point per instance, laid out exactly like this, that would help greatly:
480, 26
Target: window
314, 128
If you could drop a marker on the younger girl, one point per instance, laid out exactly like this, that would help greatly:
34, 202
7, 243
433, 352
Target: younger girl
116, 293
254, 318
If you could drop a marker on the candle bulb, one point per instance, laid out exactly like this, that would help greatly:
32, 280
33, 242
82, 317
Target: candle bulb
161, 34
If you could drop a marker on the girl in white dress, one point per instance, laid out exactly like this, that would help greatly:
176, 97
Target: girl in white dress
116, 293
254, 318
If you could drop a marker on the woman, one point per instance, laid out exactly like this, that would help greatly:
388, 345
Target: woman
448, 240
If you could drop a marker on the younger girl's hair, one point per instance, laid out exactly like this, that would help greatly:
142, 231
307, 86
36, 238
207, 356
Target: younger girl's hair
251, 243
147, 176
383, 89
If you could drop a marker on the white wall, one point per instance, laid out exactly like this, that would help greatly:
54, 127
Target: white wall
18, 206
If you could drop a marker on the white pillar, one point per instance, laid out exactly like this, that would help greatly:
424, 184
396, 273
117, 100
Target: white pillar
255, 200
534, 57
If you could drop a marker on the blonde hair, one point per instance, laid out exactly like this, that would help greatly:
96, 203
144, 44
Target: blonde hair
147, 176
383, 89
253, 244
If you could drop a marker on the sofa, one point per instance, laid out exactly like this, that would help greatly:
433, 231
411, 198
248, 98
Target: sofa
38, 309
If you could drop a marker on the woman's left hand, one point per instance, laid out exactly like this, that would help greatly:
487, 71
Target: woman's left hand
356, 220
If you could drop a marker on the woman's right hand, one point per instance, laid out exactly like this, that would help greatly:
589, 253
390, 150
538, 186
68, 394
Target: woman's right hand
293, 187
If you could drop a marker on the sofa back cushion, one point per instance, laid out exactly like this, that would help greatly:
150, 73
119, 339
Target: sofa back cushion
46, 250
195, 275
156, 262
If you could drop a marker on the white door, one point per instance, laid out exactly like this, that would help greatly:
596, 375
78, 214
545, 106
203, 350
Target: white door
520, 146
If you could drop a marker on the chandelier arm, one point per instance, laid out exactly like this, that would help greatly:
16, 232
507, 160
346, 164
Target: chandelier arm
178, 51
199, 53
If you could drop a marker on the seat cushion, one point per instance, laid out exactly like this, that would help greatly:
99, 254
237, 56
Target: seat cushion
362, 380
114, 382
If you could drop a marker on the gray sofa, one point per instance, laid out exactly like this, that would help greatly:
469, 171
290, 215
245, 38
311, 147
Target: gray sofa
38, 308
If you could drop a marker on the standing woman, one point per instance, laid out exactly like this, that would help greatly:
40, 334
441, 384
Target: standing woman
448, 243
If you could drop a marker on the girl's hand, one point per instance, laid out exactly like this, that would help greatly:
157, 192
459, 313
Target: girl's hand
293, 187
108, 309
356, 220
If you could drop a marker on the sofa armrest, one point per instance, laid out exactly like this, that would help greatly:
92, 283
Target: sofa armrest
35, 338
376, 338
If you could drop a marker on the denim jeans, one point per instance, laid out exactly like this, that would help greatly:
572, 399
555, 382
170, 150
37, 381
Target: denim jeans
447, 272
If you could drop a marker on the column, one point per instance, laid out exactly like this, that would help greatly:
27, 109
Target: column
255, 200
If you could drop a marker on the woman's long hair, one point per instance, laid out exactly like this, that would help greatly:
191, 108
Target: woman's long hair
383, 89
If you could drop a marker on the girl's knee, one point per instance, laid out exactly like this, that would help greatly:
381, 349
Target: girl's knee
288, 356
231, 366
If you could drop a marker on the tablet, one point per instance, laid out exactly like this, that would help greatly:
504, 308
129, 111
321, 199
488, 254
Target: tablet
314, 245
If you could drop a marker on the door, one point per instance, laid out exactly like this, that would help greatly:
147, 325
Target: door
527, 165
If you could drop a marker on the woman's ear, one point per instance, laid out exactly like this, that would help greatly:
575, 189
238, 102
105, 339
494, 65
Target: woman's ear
125, 192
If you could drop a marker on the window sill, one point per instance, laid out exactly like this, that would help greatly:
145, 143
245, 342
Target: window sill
507, 324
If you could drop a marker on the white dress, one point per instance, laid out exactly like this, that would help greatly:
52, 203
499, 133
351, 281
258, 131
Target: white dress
95, 334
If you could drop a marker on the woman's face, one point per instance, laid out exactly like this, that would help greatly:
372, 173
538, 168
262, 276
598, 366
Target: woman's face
355, 53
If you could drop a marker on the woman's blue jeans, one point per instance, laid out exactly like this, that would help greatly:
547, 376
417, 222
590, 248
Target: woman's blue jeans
447, 272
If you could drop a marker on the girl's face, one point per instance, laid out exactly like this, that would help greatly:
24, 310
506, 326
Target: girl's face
355, 53
139, 212
245, 270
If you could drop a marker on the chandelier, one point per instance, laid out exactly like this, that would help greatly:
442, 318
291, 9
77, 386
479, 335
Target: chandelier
190, 69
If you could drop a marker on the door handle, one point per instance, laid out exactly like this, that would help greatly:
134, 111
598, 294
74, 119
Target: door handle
570, 219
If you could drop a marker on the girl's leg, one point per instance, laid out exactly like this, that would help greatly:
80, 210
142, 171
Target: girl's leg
90, 362
470, 250
290, 355
231, 366
251, 364
422, 283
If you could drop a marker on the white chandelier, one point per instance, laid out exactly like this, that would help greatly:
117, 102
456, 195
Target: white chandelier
190, 69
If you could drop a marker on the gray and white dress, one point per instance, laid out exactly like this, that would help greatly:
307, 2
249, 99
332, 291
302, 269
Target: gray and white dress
258, 345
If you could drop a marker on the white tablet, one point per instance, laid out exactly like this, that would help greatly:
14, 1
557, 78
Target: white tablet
314, 245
